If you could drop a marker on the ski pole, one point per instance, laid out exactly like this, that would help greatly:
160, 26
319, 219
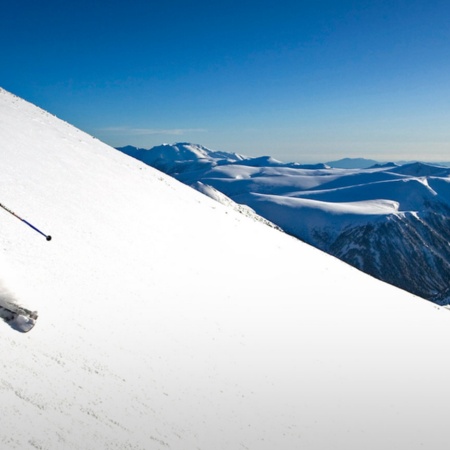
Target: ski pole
48, 237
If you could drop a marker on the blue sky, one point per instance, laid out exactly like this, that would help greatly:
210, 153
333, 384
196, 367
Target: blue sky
298, 80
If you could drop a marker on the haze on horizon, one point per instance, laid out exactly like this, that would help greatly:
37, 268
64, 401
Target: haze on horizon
303, 81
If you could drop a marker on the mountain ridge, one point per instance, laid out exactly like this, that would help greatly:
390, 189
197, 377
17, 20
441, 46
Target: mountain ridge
352, 163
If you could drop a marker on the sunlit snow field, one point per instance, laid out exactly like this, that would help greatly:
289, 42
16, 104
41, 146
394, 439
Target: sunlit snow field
167, 320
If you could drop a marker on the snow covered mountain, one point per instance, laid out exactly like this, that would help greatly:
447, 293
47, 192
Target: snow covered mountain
169, 321
180, 157
390, 221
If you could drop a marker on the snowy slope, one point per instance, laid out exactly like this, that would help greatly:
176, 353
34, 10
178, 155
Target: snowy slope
170, 321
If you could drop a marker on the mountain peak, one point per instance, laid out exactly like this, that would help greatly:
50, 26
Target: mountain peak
181, 156
352, 163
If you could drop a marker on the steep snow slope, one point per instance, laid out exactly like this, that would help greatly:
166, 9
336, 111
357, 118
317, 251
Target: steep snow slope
170, 321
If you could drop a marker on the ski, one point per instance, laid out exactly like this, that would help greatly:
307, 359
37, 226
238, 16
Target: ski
18, 318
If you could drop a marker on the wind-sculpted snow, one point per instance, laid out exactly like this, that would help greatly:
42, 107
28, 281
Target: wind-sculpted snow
411, 194
170, 321
332, 208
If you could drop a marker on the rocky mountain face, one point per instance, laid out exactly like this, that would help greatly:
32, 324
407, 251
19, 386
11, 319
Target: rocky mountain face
408, 251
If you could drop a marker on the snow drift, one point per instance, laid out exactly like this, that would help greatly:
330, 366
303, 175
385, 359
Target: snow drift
167, 320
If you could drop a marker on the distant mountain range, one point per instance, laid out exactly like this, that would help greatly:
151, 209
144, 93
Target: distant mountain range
391, 221
352, 163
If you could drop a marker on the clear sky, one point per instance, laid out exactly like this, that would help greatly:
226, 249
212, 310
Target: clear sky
298, 80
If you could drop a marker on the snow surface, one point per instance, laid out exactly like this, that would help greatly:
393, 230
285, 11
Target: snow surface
169, 321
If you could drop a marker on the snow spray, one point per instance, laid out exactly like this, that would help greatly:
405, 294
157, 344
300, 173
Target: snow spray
48, 237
